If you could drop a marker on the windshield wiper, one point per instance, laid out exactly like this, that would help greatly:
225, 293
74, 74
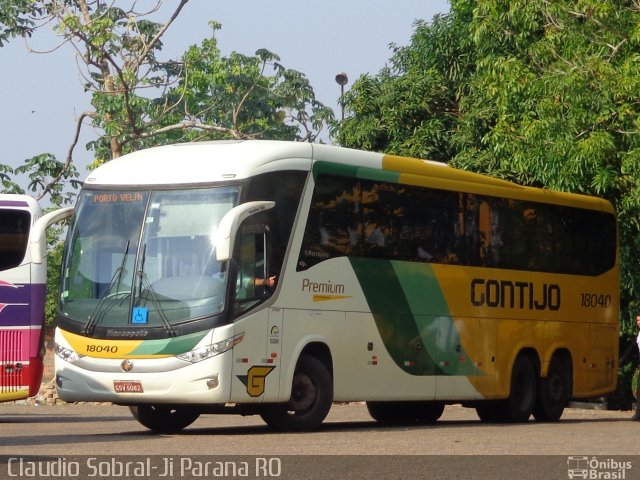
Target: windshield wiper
98, 314
144, 284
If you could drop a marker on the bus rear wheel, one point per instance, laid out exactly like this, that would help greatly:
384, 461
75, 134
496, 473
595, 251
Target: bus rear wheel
554, 392
164, 418
310, 402
522, 397
405, 412
489, 412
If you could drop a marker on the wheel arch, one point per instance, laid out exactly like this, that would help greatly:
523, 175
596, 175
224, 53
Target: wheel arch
312, 346
321, 351
532, 354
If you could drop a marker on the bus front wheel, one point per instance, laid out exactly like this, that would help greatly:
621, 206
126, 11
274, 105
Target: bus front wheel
164, 418
310, 402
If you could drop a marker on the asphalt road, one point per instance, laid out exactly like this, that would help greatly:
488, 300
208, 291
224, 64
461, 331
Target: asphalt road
348, 445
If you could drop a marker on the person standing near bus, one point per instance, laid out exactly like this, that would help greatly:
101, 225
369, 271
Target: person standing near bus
636, 416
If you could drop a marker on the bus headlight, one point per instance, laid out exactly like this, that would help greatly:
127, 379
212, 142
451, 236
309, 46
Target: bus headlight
67, 354
195, 356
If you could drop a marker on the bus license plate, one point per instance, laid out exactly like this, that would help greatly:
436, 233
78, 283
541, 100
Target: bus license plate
127, 386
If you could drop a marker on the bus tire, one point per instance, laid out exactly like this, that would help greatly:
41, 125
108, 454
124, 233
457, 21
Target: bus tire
489, 412
399, 413
310, 402
429, 412
519, 406
164, 418
522, 397
383, 412
554, 391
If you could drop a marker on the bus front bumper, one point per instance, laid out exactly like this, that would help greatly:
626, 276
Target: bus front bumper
205, 382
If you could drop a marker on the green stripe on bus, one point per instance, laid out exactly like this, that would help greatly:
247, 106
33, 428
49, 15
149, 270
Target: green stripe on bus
431, 313
393, 316
172, 346
328, 168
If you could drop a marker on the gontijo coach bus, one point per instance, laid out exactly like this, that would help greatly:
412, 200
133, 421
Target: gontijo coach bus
23, 272
274, 278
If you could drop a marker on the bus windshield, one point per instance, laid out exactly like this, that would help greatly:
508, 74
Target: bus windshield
144, 258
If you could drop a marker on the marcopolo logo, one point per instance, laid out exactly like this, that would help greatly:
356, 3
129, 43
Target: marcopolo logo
593, 468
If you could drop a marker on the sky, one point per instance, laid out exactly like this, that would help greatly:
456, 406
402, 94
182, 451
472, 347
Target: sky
43, 94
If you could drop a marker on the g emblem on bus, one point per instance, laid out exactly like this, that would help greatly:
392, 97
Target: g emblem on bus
255, 379
126, 365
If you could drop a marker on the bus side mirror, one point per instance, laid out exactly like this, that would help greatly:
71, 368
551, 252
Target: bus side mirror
38, 237
228, 227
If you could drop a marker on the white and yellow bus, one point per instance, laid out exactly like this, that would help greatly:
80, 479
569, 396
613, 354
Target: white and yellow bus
274, 278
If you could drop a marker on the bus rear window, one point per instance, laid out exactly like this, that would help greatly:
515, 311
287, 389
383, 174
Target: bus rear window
14, 237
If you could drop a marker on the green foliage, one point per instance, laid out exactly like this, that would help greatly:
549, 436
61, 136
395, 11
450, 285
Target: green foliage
54, 262
412, 106
141, 101
17, 18
46, 176
623, 396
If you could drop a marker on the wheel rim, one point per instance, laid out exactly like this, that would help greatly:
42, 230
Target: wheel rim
522, 399
303, 394
555, 389
523, 393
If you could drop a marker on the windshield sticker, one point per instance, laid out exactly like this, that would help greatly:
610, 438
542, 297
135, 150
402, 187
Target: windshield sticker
140, 316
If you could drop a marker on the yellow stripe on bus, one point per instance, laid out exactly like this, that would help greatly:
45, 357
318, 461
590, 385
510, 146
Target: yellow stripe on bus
100, 348
325, 298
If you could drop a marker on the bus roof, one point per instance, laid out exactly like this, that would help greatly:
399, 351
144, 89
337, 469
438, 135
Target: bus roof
18, 201
224, 161
202, 162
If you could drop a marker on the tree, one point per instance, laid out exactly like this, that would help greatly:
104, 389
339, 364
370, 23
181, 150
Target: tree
211, 97
412, 106
140, 100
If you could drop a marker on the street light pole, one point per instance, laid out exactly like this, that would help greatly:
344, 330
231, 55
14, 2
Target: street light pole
342, 80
